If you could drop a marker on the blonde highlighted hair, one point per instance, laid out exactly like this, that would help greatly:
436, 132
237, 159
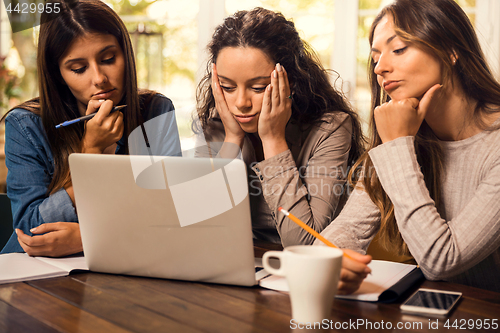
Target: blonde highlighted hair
442, 29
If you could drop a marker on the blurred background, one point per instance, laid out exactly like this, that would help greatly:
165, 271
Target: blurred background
170, 36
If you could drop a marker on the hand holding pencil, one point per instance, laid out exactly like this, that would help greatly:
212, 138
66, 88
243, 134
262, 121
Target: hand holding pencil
354, 265
87, 117
104, 129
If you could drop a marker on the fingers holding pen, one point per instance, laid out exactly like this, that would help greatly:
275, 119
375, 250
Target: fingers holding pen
116, 124
104, 129
111, 122
93, 106
103, 111
354, 271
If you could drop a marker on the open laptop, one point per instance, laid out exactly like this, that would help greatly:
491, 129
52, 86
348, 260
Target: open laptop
165, 217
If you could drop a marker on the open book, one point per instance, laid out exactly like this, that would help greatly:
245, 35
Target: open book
17, 267
386, 283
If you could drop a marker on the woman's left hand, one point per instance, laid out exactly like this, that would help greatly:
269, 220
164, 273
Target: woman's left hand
275, 113
56, 239
399, 118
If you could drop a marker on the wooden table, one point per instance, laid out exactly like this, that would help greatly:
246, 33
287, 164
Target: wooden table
93, 302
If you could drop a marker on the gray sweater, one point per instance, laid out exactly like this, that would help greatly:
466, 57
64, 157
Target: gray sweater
307, 180
459, 241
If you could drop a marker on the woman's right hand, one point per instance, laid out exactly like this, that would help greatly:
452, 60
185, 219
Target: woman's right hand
353, 272
234, 132
104, 130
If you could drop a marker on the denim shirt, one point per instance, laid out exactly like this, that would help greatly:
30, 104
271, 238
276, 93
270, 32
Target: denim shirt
31, 166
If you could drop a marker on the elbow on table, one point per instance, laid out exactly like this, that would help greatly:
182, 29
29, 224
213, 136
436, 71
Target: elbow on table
433, 276
442, 259
440, 271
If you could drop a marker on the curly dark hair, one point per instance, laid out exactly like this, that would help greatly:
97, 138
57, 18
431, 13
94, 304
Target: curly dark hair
272, 33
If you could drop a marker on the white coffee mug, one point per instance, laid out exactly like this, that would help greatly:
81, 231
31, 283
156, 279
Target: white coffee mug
312, 273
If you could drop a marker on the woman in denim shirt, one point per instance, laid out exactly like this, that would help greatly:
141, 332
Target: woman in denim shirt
85, 64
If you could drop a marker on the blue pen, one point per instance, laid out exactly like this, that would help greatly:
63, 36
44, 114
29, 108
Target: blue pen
87, 117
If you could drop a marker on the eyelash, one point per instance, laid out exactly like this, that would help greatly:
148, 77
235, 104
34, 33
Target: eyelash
397, 52
79, 70
401, 50
230, 89
105, 61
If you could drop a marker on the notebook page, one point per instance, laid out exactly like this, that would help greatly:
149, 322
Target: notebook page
384, 275
16, 267
67, 263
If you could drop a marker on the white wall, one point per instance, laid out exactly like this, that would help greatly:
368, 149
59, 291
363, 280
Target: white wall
488, 30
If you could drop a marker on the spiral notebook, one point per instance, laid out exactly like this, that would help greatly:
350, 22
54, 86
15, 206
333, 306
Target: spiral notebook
388, 281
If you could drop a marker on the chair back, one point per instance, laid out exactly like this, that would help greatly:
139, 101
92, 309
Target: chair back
6, 227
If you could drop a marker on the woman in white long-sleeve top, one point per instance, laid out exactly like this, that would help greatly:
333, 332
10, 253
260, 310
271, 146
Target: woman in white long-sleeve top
430, 181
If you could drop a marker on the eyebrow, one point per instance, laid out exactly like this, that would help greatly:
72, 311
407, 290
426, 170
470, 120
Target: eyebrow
253, 79
386, 42
100, 52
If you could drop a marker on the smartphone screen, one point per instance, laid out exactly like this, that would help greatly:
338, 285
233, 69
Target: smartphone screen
431, 302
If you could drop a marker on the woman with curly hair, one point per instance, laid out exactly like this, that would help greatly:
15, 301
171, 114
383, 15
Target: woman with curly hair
267, 98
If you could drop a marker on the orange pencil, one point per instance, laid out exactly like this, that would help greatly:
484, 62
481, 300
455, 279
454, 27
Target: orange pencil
309, 229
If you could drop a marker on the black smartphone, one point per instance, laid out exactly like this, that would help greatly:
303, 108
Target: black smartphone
431, 302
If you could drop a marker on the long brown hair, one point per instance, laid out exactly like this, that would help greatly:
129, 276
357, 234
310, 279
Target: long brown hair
56, 103
441, 28
272, 33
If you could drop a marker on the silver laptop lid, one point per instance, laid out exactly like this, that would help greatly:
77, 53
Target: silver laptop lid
167, 217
